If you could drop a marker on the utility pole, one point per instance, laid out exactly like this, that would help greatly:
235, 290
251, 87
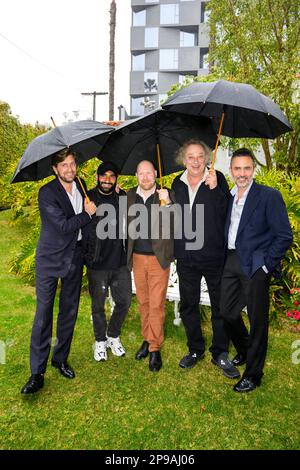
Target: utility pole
113, 11
94, 94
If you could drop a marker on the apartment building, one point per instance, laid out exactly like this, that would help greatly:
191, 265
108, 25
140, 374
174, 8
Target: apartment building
169, 40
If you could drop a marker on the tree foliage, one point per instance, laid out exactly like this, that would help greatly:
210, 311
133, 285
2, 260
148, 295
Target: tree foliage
14, 138
257, 42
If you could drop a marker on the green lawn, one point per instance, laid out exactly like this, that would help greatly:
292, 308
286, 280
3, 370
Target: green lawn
120, 404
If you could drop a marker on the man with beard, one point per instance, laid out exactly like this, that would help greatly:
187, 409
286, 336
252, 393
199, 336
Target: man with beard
105, 256
257, 233
59, 254
150, 252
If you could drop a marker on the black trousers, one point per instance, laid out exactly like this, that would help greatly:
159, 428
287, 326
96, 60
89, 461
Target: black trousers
119, 281
41, 336
190, 276
238, 291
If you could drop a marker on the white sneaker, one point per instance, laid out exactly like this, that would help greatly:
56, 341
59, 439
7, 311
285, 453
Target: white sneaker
100, 352
116, 346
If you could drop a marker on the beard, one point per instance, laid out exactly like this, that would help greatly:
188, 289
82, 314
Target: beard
68, 179
106, 188
243, 182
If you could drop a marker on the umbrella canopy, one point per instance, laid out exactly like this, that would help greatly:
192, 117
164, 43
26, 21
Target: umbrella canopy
247, 113
137, 139
86, 138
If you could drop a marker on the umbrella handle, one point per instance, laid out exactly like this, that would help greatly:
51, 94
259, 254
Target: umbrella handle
162, 202
87, 199
217, 143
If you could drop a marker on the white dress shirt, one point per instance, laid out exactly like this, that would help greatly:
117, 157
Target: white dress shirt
76, 201
193, 192
236, 214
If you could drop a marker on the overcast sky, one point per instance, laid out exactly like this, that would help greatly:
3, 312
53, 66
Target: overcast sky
51, 51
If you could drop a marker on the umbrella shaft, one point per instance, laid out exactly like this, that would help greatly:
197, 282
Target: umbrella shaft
84, 191
217, 143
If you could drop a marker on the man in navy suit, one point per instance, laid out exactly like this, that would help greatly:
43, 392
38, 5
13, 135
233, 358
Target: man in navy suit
59, 254
257, 235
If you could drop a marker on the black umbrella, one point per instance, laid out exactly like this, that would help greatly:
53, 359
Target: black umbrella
156, 136
86, 138
237, 108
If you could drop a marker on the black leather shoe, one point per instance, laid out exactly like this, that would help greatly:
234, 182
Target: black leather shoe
143, 351
35, 382
155, 361
190, 360
246, 384
239, 360
64, 369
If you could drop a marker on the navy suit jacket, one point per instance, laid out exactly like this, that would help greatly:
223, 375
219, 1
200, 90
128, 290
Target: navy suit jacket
264, 233
59, 230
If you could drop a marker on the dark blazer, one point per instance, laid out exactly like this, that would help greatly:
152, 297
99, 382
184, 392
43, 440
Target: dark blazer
59, 230
162, 248
264, 232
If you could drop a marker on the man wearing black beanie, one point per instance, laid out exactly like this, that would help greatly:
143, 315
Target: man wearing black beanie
105, 256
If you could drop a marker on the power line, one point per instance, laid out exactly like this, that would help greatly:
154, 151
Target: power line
31, 56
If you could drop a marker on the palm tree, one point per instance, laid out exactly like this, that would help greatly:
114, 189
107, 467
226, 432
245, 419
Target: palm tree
112, 11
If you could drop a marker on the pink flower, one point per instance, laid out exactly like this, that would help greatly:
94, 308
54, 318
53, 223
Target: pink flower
297, 315
296, 303
288, 314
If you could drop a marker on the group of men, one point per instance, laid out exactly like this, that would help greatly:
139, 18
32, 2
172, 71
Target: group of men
235, 240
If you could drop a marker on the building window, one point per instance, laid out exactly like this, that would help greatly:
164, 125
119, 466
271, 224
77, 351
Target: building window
151, 1
150, 82
168, 59
162, 98
139, 18
138, 62
137, 106
204, 64
151, 37
181, 77
188, 39
204, 13
169, 14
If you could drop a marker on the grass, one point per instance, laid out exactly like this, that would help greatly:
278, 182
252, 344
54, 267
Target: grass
120, 404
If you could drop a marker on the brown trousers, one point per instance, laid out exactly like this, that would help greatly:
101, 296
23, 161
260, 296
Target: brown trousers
151, 282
